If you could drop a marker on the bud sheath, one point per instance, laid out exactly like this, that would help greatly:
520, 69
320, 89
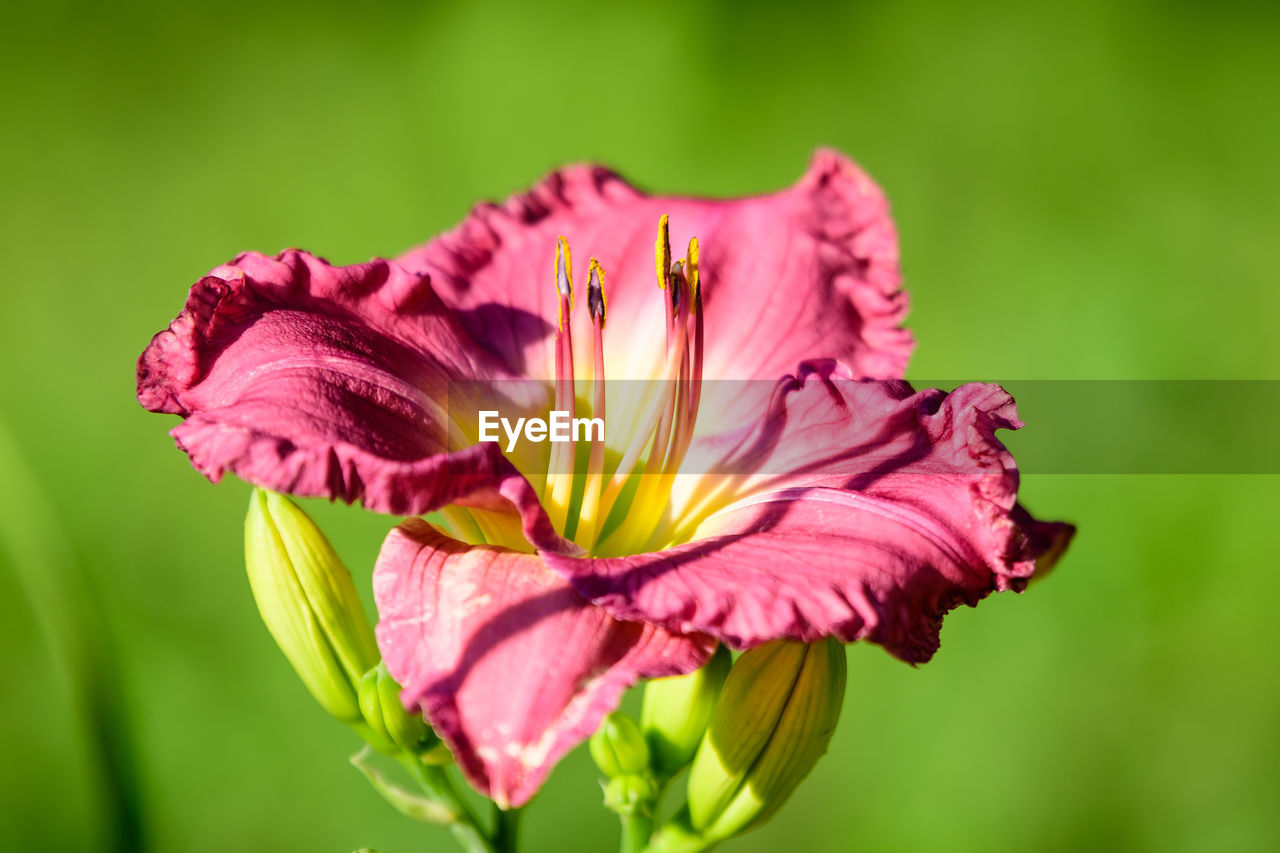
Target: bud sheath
394, 727
677, 710
308, 602
618, 748
775, 717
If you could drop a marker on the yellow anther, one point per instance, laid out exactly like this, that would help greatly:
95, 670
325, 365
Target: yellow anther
662, 252
691, 272
564, 276
595, 291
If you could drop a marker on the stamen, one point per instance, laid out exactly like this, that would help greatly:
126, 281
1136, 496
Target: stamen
595, 292
695, 285
564, 334
638, 486
559, 486
684, 432
677, 356
677, 275
691, 271
669, 407
662, 251
589, 523
717, 492
662, 266
564, 274
686, 281
631, 457
655, 430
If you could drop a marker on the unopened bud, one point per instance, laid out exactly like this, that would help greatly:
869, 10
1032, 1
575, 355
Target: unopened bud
618, 747
676, 712
394, 727
308, 602
776, 714
631, 795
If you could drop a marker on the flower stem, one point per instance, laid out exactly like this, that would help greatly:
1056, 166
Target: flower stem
437, 784
636, 832
506, 829
678, 836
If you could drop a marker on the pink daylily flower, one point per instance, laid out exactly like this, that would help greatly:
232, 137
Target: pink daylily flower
845, 503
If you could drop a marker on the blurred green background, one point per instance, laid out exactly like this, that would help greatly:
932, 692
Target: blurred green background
1086, 192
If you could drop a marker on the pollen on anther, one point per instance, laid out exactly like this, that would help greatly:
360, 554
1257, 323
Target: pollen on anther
595, 291
662, 251
564, 269
691, 271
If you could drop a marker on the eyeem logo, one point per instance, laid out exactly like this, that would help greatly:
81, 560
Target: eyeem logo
560, 427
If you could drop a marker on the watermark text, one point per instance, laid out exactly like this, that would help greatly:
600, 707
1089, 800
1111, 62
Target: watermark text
559, 427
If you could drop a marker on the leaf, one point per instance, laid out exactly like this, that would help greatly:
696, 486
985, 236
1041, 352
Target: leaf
406, 802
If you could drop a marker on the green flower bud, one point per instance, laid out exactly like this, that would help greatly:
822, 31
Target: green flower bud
394, 728
618, 747
308, 602
776, 714
676, 712
631, 795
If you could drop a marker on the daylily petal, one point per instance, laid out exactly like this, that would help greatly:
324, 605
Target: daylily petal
317, 380
811, 271
510, 665
867, 512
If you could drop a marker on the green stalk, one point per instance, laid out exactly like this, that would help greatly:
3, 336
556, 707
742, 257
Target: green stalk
466, 829
636, 832
506, 829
